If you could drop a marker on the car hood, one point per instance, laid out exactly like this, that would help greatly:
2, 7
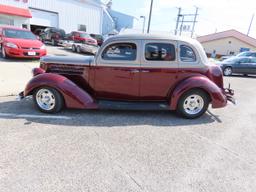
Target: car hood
81, 60
25, 42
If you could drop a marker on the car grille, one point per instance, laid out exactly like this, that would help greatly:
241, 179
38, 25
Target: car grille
65, 69
30, 48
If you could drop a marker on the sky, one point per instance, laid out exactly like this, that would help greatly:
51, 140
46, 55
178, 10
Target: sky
214, 15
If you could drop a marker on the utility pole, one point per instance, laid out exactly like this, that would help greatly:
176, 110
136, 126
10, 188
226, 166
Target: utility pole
178, 20
181, 26
249, 29
150, 14
194, 22
144, 19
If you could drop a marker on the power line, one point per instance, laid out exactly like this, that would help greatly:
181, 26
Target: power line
184, 16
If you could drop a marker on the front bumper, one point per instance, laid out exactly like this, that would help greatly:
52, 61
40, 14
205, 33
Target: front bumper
230, 95
25, 53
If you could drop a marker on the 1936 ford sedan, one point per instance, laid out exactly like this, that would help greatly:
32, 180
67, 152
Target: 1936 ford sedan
144, 72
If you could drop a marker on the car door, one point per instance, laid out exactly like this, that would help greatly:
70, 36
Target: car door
117, 71
241, 66
252, 66
158, 69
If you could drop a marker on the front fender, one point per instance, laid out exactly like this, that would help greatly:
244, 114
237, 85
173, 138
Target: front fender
217, 95
74, 96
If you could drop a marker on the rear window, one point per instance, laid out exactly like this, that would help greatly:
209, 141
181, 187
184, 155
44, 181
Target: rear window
187, 54
19, 34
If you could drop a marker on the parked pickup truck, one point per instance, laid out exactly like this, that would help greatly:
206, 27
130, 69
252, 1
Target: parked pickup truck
132, 72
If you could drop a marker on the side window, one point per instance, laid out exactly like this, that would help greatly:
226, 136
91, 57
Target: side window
253, 60
187, 54
244, 60
120, 51
160, 52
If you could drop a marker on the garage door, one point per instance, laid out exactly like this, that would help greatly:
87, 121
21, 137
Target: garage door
44, 18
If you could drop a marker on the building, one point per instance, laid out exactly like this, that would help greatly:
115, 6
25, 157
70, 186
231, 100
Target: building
121, 20
229, 42
66, 14
88, 15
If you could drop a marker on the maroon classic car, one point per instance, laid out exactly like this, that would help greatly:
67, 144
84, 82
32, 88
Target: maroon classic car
132, 72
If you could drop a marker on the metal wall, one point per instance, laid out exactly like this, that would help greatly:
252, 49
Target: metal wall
72, 13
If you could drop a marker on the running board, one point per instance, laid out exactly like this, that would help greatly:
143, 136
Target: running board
121, 105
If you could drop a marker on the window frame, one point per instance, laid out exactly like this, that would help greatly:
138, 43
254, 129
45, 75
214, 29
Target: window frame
196, 57
111, 44
166, 43
119, 63
158, 64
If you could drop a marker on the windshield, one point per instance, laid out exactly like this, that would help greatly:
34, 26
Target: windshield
231, 60
19, 34
244, 54
85, 35
60, 31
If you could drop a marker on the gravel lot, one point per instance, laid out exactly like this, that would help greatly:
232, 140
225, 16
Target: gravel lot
101, 151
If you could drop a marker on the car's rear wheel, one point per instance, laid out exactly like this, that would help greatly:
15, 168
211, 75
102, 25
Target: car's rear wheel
227, 71
48, 100
193, 104
73, 48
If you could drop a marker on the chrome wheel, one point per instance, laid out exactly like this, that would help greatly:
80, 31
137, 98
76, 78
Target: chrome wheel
78, 49
45, 99
73, 48
53, 42
227, 71
193, 104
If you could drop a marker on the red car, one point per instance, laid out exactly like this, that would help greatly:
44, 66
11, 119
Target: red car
20, 43
132, 72
82, 37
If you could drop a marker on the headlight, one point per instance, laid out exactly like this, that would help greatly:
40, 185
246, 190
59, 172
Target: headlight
42, 47
11, 45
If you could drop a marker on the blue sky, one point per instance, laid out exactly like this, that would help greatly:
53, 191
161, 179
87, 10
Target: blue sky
213, 16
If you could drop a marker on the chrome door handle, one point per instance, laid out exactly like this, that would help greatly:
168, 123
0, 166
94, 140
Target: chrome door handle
145, 71
134, 71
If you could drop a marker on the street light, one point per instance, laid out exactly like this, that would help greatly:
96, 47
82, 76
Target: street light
150, 13
144, 20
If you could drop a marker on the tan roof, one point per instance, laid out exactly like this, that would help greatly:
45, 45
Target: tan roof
230, 33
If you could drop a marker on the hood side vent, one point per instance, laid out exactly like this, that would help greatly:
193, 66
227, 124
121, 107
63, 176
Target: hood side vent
65, 69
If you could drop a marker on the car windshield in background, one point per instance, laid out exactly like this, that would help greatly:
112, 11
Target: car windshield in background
85, 35
231, 60
19, 34
60, 31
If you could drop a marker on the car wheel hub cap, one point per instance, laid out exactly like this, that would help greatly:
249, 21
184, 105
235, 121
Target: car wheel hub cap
227, 71
193, 104
45, 99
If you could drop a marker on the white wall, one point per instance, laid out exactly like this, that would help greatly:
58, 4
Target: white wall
71, 12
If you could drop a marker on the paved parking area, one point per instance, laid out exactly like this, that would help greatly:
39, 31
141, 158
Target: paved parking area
128, 150
15, 73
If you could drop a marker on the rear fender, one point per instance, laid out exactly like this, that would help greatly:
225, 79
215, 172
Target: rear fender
217, 95
74, 96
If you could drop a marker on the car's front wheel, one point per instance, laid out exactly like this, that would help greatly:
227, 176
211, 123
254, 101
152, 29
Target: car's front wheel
78, 49
3, 52
53, 42
227, 71
48, 100
193, 104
